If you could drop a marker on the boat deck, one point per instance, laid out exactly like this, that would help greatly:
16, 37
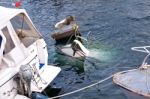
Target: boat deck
136, 80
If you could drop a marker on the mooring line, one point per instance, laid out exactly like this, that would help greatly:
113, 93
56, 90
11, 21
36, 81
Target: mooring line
78, 90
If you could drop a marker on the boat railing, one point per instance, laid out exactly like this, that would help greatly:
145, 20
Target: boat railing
144, 49
82, 38
87, 38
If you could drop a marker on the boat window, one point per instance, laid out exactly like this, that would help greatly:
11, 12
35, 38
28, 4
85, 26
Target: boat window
24, 29
9, 42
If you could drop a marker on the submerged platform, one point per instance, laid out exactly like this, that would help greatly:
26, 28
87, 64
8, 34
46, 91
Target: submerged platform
67, 50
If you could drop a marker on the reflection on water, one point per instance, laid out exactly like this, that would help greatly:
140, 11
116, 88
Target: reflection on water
100, 55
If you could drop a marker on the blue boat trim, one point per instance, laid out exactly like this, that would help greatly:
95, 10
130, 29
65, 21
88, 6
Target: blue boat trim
41, 65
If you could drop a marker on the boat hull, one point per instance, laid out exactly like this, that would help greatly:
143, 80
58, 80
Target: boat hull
131, 95
65, 32
134, 83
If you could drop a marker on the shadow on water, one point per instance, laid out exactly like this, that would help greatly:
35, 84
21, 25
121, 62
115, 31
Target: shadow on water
68, 63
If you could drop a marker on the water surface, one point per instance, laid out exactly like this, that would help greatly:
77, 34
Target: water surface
115, 25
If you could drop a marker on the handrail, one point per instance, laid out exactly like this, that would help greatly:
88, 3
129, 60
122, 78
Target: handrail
145, 50
141, 49
83, 38
144, 64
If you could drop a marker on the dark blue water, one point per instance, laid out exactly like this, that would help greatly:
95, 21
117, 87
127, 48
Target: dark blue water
115, 25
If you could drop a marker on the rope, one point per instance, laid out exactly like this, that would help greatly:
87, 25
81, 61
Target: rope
144, 61
145, 66
75, 27
69, 39
86, 87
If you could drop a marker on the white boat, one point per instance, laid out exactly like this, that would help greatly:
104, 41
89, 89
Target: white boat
76, 50
23, 56
135, 83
